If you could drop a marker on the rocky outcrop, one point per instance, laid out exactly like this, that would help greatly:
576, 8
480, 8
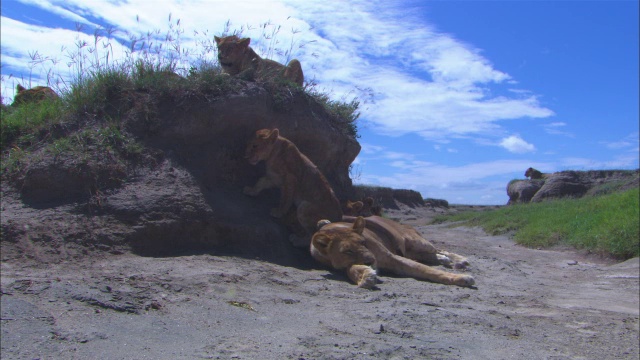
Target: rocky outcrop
522, 191
388, 197
183, 190
572, 184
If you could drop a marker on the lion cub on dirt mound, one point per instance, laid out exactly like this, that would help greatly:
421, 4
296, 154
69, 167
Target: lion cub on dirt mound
237, 58
300, 182
360, 246
35, 94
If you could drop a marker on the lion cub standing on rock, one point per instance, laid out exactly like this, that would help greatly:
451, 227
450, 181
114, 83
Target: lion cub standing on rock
300, 182
237, 58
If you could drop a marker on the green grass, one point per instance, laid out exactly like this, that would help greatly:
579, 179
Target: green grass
103, 93
607, 224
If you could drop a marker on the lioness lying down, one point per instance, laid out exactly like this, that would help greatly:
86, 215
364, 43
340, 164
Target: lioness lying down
360, 246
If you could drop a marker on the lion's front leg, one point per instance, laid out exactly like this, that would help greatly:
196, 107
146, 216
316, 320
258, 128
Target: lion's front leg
363, 276
287, 192
263, 183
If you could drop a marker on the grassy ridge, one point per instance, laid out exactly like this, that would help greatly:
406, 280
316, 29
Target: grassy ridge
607, 224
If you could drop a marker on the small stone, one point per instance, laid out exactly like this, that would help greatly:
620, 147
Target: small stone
572, 262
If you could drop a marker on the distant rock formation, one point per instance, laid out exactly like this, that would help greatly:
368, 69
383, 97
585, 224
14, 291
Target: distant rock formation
573, 184
387, 197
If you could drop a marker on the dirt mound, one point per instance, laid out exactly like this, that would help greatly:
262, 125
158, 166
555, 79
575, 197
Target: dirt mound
168, 176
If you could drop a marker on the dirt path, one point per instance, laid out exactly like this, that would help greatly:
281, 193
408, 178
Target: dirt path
528, 304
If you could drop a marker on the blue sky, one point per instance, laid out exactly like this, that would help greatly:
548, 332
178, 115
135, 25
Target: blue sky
458, 97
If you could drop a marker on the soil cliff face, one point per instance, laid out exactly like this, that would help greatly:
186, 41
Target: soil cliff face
185, 191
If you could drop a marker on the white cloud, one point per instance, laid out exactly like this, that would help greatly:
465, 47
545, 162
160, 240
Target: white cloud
554, 128
629, 142
516, 144
460, 184
423, 81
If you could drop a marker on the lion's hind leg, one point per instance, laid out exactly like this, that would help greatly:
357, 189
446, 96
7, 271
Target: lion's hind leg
457, 261
420, 249
407, 267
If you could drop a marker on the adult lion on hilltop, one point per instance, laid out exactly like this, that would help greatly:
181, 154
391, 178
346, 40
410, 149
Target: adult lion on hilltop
35, 94
301, 183
534, 174
360, 246
237, 58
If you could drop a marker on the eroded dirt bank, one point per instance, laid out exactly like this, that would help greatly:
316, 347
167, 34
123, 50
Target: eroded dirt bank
528, 304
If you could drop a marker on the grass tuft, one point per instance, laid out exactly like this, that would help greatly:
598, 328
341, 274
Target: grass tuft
607, 224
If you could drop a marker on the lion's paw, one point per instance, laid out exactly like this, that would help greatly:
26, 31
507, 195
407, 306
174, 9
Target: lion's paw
444, 260
465, 280
368, 280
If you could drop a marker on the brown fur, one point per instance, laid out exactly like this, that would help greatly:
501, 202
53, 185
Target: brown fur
533, 174
36, 94
301, 183
352, 208
237, 58
359, 246
364, 208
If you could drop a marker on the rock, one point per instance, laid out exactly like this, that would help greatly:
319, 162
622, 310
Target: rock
387, 197
522, 191
562, 184
573, 184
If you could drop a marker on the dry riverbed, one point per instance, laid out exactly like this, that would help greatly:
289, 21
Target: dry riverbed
528, 304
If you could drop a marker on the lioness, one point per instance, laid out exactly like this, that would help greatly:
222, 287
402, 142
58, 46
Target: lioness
360, 246
300, 182
533, 174
237, 58
35, 94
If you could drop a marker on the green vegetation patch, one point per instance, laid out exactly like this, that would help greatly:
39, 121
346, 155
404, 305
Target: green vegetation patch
607, 224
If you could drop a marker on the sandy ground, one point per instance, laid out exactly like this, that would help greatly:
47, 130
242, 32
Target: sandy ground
528, 304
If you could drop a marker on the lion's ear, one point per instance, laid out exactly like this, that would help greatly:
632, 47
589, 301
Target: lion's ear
358, 226
321, 242
245, 42
322, 223
217, 39
20, 88
274, 134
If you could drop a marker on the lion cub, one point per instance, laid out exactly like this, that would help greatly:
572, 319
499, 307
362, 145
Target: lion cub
36, 94
300, 182
237, 58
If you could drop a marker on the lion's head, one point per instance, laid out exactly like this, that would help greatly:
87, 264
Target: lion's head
533, 173
36, 94
231, 52
352, 208
342, 245
259, 148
